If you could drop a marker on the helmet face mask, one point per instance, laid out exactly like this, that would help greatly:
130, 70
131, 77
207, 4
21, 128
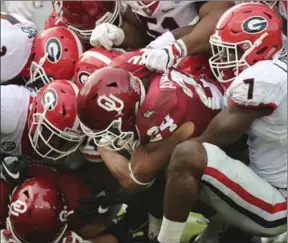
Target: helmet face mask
38, 76
54, 127
51, 143
228, 58
271, 3
112, 138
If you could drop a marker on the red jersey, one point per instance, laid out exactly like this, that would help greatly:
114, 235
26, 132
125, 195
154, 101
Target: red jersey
174, 98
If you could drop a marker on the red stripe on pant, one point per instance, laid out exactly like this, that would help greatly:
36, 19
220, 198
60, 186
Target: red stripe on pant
245, 195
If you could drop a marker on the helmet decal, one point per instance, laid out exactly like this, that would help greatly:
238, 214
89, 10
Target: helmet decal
54, 50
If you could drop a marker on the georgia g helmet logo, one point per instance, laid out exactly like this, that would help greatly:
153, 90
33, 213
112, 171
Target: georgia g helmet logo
49, 99
54, 50
83, 77
254, 25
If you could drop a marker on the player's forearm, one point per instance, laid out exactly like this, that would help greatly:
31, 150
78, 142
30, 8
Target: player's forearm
183, 31
149, 160
225, 129
197, 40
134, 37
118, 166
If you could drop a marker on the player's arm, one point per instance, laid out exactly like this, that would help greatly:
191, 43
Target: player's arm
134, 37
198, 39
146, 161
135, 34
230, 124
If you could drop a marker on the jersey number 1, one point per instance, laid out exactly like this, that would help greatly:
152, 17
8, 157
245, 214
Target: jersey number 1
250, 83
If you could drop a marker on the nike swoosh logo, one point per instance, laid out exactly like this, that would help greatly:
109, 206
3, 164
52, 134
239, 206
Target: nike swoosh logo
167, 10
103, 210
102, 193
13, 175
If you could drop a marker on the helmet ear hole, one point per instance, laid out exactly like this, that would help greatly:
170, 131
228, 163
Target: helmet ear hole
95, 96
26, 193
63, 110
268, 15
114, 84
261, 51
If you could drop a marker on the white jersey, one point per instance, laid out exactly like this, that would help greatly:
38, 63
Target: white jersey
162, 16
15, 102
265, 84
39, 15
17, 36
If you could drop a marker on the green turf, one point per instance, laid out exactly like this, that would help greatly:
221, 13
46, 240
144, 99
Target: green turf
195, 225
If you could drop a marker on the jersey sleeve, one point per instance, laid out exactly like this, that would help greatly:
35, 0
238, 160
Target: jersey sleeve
155, 118
262, 85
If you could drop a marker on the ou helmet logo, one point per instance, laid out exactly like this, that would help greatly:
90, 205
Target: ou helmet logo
254, 25
111, 103
18, 207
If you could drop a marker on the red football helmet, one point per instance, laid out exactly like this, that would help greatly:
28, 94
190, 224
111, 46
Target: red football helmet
196, 66
37, 212
53, 21
54, 127
54, 55
83, 16
93, 60
107, 104
133, 62
245, 34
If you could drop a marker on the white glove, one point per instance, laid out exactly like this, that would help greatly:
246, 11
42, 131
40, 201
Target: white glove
163, 40
161, 59
23, 8
107, 35
6, 236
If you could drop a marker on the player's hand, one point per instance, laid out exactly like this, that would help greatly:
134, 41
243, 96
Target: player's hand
107, 35
23, 8
72, 237
94, 207
161, 59
14, 169
163, 40
6, 236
